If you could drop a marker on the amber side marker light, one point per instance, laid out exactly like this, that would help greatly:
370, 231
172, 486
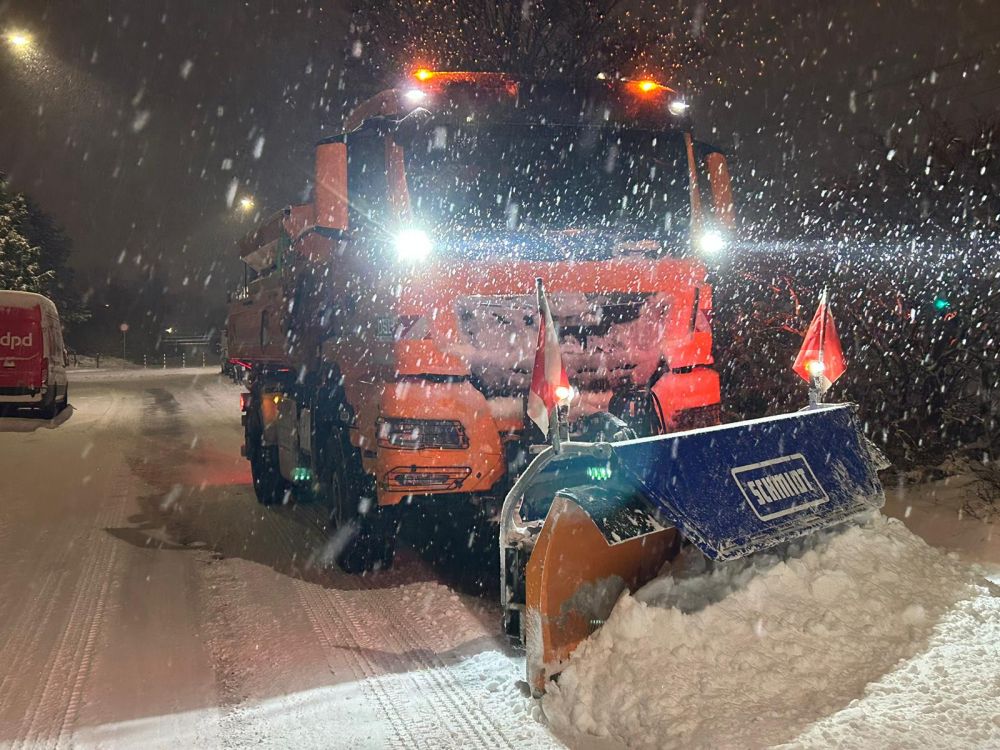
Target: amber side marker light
422, 74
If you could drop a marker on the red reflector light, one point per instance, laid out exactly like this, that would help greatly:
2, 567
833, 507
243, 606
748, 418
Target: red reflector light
647, 86
244, 401
439, 80
419, 434
409, 478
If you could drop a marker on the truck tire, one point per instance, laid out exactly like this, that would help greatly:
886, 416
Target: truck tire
363, 533
268, 484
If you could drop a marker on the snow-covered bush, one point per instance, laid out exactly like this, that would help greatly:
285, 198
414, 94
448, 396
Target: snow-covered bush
918, 326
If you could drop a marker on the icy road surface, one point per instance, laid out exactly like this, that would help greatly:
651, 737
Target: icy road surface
149, 601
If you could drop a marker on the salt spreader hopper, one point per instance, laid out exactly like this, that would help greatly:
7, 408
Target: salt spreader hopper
581, 525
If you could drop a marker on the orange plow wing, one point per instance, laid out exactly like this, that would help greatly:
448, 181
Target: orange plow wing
573, 579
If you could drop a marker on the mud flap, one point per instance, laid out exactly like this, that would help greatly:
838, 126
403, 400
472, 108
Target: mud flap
575, 575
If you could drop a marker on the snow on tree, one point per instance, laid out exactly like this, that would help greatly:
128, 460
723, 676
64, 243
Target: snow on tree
20, 261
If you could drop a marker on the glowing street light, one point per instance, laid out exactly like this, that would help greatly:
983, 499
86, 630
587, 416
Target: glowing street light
246, 204
21, 41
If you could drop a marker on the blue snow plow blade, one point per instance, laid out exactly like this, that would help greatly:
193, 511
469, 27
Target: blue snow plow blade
735, 489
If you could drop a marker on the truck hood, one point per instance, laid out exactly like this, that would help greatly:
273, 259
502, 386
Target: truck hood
620, 317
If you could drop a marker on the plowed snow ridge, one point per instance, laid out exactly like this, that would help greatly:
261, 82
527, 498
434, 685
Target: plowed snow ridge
868, 638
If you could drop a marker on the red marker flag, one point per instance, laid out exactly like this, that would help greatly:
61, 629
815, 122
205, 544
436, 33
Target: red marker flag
549, 383
821, 356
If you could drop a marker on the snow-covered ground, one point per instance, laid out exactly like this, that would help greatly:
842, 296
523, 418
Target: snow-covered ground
866, 638
149, 601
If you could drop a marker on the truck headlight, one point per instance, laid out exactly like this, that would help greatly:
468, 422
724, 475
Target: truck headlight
421, 434
677, 107
413, 245
711, 242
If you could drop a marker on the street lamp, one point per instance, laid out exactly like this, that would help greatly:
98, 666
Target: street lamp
246, 204
21, 41
124, 329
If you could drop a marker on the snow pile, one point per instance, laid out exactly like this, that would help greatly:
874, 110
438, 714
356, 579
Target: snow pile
135, 372
870, 632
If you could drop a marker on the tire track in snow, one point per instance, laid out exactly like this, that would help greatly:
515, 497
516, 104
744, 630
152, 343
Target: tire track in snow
453, 702
56, 698
92, 630
26, 633
335, 635
45, 605
379, 640
434, 642
236, 729
449, 703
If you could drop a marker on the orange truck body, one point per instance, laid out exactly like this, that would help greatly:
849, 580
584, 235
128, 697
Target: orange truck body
412, 342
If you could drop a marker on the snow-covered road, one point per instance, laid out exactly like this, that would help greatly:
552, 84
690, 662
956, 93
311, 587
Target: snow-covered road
147, 600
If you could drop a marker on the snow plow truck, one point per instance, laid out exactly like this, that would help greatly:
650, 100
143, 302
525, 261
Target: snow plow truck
388, 324
388, 328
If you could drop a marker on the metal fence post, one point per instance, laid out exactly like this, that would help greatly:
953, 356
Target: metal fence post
183, 360
164, 360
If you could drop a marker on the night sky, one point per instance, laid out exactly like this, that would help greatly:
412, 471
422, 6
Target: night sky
132, 119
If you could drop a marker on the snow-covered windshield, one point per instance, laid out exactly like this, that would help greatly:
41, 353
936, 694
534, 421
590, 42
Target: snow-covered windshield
550, 177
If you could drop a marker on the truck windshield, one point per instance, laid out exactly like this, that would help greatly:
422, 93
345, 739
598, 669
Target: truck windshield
519, 177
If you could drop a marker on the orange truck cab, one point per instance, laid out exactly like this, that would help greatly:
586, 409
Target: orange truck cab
32, 357
390, 324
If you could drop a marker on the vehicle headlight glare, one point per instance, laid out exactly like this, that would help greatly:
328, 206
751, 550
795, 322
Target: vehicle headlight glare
677, 107
413, 245
712, 242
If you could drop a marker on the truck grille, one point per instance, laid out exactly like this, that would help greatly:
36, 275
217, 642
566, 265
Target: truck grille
693, 419
608, 340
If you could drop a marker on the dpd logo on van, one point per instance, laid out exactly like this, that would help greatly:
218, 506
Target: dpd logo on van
10, 341
780, 486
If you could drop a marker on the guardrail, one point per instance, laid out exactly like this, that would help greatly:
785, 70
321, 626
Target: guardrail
148, 361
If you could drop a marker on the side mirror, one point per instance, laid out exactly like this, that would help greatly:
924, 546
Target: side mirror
331, 184
722, 190
407, 129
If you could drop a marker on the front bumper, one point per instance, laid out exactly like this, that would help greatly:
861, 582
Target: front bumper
401, 473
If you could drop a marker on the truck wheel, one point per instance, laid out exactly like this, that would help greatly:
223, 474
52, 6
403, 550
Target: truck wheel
363, 533
268, 484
